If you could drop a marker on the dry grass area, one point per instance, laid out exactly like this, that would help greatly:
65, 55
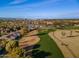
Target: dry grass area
29, 40
68, 43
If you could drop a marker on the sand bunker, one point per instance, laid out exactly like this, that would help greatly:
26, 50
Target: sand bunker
29, 40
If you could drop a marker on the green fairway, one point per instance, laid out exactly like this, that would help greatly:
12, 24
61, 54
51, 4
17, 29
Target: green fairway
47, 47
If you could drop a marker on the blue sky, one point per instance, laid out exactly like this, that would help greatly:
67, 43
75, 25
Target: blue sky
39, 8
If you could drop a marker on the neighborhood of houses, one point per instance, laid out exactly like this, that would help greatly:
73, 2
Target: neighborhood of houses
12, 27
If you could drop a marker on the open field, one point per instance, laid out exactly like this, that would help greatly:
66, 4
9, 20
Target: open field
68, 43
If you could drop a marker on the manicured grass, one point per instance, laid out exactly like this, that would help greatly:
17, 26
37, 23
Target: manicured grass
48, 47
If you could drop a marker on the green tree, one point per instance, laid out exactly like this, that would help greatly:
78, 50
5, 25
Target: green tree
16, 53
10, 45
3, 43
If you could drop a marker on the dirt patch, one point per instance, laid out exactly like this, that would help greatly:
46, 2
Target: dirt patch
68, 45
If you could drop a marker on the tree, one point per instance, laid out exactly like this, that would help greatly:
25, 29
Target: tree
10, 45
3, 43
63, 33
13, 50
16, 53
23, 31
71, 33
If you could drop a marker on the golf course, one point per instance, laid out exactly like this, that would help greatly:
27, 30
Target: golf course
46, 47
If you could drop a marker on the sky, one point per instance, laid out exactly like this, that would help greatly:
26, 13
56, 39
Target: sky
39, 8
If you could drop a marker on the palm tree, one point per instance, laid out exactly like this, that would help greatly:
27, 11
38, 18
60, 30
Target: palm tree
71, 33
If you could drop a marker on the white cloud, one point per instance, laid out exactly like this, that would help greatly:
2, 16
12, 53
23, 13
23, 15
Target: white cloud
34, 4
43, 3
17, 1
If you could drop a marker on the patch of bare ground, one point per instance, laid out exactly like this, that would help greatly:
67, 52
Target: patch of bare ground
68, 43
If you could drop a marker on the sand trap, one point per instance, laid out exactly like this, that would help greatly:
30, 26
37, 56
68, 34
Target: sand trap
29, 40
